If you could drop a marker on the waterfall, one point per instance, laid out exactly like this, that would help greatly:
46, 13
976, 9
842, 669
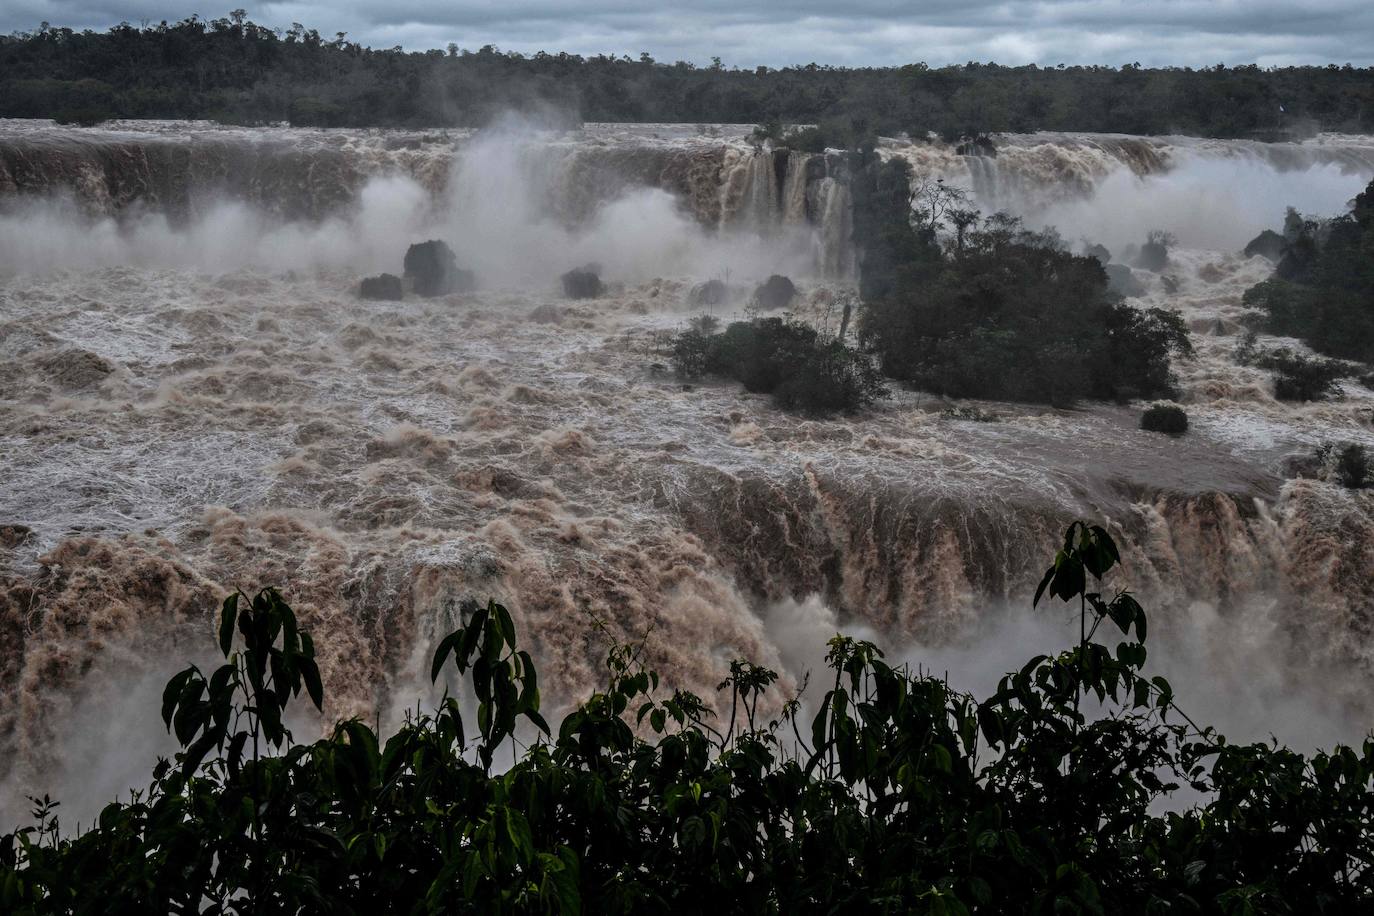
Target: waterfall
832, 244
391, 459
725, 184
794, 188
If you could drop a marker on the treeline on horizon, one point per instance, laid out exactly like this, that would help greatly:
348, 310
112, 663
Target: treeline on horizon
233, 70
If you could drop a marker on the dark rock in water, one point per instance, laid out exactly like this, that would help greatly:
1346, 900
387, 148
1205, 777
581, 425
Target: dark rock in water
582, 283
816, 168
782, 157
776, 293
1170, 283
980, 145
386, 287
712, 292
1098, 251
12, 536
546, 314
433, 270
1122, 280
1268, 244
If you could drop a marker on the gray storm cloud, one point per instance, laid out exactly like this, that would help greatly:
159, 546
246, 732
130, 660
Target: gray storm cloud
782, 32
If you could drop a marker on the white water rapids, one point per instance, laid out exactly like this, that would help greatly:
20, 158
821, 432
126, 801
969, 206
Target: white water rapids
193, 398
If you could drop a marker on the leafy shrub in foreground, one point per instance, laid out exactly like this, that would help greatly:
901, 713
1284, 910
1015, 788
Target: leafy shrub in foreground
900, 795
1164, 418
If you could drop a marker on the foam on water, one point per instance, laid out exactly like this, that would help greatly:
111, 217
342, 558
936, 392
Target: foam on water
193, 404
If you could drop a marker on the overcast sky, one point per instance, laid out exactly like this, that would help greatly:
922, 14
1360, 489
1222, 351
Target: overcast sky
781, 32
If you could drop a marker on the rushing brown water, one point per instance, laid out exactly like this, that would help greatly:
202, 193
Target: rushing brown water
193, 398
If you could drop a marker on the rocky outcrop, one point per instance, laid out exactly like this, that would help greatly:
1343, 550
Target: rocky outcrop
582, 283
1100, 252
776, 293
433, 270
1268, 244
1122, 280
386, 287
980, 145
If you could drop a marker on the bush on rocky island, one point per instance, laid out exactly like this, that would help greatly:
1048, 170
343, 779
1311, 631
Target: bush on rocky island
1154, 254
992, 310
1352, 466
805, 371
1347, 464
1164, 418
1322, 291
1297, 377
777, 292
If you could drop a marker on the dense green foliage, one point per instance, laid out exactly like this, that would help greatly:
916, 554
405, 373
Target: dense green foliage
234, 70
1323, 288
1346, 464
1352, 465
804, 370
1297, 377
972, 306
959, 304
902, 795
1164, 418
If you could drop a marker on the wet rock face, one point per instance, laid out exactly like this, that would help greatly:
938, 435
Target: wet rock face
385, 287
1122, 280
1100, 252
777, 293
433, 270
582, 283
1268, 244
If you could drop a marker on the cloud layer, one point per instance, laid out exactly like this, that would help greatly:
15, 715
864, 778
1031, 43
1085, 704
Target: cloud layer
777, 33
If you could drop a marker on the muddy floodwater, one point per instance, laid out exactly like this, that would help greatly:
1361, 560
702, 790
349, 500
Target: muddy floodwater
194, 398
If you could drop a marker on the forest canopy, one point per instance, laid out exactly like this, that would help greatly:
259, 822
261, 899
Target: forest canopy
1322, 290
236, 71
